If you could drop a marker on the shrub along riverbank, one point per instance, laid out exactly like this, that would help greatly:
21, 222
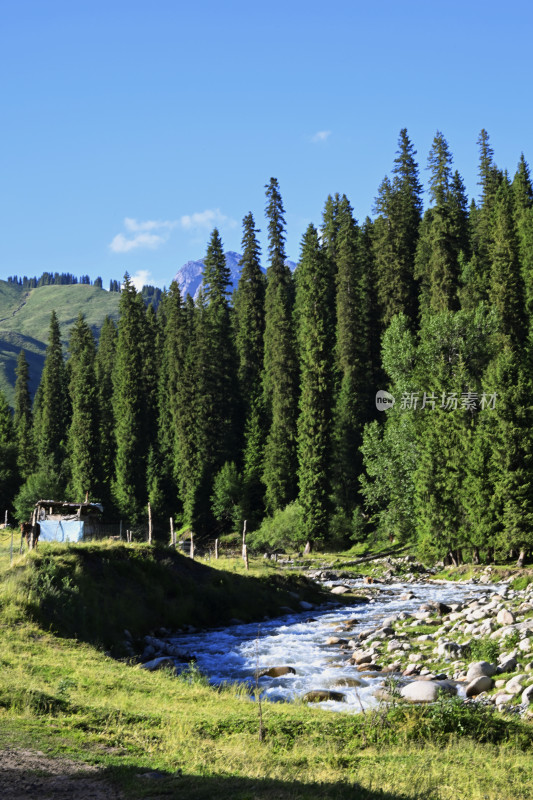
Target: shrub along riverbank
157, 735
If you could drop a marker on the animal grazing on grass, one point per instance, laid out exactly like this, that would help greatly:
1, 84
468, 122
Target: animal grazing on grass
26, 529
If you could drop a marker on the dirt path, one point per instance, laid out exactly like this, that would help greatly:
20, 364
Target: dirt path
30, 775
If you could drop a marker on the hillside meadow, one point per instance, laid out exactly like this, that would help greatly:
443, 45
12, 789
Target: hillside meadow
25, 322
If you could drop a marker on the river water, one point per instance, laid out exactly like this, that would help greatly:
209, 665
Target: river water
233, 654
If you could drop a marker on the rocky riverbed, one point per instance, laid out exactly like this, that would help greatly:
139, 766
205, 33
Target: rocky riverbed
378, 641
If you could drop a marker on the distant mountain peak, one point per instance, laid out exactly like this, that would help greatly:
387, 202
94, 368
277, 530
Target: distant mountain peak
189, 276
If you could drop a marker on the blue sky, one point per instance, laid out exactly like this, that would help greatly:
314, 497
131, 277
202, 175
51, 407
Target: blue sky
131, 129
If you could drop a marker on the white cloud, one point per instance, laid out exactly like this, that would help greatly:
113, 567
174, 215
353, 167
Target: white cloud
152, 233
135, 226
143, 235
141, 278
205, 220
121, 244
320, 136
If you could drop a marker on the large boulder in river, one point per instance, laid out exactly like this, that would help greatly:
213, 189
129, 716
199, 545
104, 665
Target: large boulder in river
340, 590
426, 691
276, 672
321, 695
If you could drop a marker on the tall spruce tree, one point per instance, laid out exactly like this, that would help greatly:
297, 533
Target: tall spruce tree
315, 341
280, 365
506, 289
523, 214
187, 462
129, 485
352, 357
399, 210
172, 354
490, 178
437, 256
23, 419
52, 417
249, 304
103, 370
210, 376
9, 475
83, 435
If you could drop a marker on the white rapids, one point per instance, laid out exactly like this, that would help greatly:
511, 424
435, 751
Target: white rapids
235, 653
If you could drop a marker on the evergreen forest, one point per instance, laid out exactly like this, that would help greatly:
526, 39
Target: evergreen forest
259, 403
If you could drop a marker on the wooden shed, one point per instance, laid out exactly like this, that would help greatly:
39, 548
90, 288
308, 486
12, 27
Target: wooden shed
61, 521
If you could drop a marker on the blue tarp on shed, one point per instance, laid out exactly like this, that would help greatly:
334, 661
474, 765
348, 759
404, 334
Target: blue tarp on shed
53, 530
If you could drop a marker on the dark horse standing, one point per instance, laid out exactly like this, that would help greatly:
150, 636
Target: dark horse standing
26, 531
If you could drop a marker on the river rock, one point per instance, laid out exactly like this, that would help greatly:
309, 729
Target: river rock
508, 665
394, 645
514, 686
353, 682
450, 649
321, 695
478, 669
425, 691
335, 640
362, 658
524, 645
503, 699
476, 615
527, 695
340, 590
157, 663
505, 617
306, 606
276, 672
480, 684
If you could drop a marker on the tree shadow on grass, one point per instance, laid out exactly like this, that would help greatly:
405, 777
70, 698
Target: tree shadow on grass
160, 785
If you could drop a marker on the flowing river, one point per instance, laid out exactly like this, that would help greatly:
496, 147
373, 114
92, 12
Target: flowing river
297, 640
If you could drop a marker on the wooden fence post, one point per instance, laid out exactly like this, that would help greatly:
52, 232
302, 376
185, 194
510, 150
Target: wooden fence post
191, 551
216, 549
32, 535
243, 538
172, 535
149, 523
245, 556
120, 531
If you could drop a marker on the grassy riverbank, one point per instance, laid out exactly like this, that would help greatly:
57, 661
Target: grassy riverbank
65, 696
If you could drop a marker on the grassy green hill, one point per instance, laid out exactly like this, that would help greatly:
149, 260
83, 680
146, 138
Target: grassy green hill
25, 318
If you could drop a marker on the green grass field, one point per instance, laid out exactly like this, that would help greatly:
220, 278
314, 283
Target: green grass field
64, 695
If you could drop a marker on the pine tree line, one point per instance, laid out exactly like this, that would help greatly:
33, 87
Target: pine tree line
261, 405
54, 279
